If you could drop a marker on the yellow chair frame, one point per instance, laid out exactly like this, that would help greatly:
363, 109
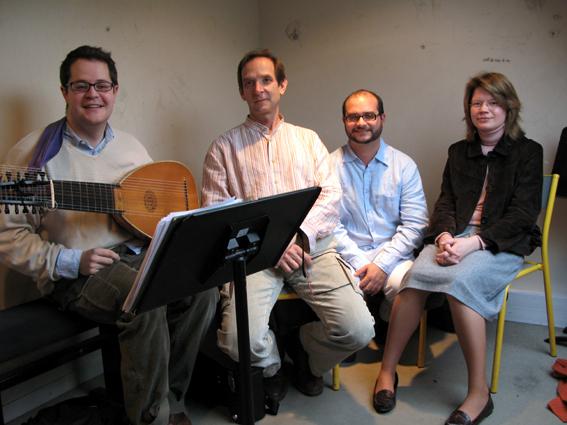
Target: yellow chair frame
336, 381
548, 202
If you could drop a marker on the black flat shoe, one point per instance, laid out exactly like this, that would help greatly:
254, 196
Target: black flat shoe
458, 417
384, 401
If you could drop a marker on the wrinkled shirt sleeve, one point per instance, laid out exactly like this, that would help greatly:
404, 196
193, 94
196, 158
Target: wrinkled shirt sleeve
324, 215
413, 222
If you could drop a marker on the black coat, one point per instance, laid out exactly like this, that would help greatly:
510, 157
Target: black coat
560, 164
513, 194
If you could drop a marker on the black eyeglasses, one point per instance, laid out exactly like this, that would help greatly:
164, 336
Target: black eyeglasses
366, 116
85, 86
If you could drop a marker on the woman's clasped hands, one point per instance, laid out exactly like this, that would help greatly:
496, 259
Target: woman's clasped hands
451, 250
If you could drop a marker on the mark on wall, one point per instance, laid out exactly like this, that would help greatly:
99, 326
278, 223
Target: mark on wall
535, 4
108, 28
293, 30
497, 60
423, 5
555, 32
422, 46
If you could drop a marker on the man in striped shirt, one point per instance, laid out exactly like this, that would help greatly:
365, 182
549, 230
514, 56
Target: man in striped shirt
265, 156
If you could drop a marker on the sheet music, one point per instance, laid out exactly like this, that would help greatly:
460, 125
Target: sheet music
159, 235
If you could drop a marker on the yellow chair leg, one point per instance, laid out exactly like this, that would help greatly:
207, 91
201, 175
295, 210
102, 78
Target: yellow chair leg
549, 306
422, 338
498, 344
336, 378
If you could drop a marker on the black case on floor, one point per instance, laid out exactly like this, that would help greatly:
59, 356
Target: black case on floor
216, 381
216, 377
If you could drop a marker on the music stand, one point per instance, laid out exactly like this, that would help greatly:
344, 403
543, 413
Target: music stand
209, 248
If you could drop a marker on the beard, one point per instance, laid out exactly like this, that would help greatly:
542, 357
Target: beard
375, 135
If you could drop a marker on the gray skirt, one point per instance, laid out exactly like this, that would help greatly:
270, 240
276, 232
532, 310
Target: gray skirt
478, 281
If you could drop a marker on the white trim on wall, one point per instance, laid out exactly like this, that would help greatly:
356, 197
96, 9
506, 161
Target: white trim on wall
528, 306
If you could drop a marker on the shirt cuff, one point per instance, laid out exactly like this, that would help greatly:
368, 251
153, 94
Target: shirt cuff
357, 262
311, 236
386, 264
67, 264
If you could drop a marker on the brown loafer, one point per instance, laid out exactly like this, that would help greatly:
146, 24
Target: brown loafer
384, 401
458, 417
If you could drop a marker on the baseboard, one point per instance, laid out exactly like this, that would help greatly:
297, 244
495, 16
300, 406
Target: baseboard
526, 306
42, 389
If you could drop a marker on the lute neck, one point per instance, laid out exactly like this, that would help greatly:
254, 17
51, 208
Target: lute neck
84, 196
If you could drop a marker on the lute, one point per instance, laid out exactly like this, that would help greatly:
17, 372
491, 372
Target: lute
137, 202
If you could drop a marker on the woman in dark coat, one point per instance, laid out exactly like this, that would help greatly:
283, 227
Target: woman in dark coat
482, 226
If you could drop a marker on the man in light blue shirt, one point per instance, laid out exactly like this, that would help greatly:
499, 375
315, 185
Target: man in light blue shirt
383, 212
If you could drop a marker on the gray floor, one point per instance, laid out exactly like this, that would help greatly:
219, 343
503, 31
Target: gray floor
425, 396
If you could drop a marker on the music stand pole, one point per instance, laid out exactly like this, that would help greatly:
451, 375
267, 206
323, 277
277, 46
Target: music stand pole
238, 259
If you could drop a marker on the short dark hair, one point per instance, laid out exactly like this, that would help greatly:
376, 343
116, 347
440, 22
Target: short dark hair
504, 94
365, 91
88, 53
261, 53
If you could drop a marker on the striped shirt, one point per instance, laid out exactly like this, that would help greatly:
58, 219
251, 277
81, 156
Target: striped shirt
248, 162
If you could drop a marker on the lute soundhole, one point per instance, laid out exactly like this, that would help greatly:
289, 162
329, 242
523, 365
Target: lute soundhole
150, 200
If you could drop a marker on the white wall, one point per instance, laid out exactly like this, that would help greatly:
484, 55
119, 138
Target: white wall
418, 55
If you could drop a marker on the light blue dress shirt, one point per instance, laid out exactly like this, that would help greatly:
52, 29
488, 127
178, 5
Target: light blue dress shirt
383, 212
68, 260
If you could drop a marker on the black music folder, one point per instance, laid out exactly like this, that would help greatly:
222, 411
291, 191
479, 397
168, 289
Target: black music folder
188, 253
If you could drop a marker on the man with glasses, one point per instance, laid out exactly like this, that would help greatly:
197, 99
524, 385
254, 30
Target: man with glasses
84, 262
265, 156
383, 213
